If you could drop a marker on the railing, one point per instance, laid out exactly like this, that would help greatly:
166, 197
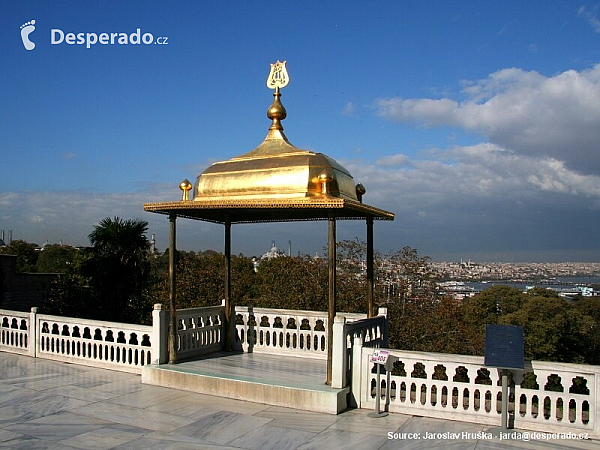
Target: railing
283, 331
548, 396
15, 332
117, 346
370, 332
96, 343
199, 331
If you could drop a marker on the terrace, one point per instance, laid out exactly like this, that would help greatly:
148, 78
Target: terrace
281, 363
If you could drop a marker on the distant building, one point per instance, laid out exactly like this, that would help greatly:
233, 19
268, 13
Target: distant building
273, 253
3, 239
153, 244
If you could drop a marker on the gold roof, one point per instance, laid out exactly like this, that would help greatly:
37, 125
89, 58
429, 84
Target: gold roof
274, 182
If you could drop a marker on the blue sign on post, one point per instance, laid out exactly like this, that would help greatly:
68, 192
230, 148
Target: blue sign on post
504, 346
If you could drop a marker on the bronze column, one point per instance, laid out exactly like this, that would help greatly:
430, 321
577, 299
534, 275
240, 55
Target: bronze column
370, 306
331, 294
172, 290
228, 305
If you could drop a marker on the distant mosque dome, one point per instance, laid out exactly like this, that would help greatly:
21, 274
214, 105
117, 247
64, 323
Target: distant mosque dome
273, 253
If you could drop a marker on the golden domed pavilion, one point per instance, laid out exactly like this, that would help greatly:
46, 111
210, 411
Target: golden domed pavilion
275, 182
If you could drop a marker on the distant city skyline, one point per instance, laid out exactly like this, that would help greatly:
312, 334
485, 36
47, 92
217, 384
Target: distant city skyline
477, 124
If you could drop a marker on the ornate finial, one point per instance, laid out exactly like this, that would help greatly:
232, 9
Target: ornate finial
360, 191
325, 178
185, 186
278, 77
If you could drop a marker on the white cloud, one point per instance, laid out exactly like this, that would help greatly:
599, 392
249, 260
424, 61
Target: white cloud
397, 160
8, 198
349, 109
487, 199
591, 15
460, 199
555, 117
532, 189
68, 155
484, 171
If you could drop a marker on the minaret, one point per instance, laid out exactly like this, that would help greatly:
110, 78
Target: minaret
152, 244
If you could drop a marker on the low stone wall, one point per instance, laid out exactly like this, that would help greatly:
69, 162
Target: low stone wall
15, 332
555, 397
199, 331
371, 332
110, 345
120, 346
284, 331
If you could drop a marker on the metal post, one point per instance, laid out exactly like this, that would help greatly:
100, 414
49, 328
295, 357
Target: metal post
370, 306
228, 304
378, 413
331, 294
378, 391
172, 291
504, 425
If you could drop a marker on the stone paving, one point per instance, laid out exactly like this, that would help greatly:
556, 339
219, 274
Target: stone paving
51, 405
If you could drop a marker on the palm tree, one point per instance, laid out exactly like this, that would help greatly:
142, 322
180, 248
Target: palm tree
118, 267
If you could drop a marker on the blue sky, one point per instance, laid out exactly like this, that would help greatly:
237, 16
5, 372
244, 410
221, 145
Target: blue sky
477, 123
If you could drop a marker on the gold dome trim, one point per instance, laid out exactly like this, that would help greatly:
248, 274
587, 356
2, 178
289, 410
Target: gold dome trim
269, 210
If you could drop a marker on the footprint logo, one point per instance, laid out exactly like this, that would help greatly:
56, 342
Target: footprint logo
26, 30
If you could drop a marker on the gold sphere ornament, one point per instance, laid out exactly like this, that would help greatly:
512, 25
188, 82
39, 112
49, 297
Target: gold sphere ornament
186, 187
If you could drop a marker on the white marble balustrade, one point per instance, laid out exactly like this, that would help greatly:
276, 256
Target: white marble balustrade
370, 332
283, 331
562, 397
15, 332
111, 345
120, 346
199, 331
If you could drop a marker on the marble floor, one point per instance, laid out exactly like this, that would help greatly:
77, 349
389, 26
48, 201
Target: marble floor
278, 370
51, 405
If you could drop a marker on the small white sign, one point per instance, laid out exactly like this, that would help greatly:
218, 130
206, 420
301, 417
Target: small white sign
380, 357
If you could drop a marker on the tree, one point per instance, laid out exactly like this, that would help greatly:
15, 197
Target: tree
118, 268
2, 287
200, 279
351, 280
26, 254
553, 330
292, 283
488, 307
55, 259
419, 318
589, 307
429, 325
411, 275
302, 282
70, 292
